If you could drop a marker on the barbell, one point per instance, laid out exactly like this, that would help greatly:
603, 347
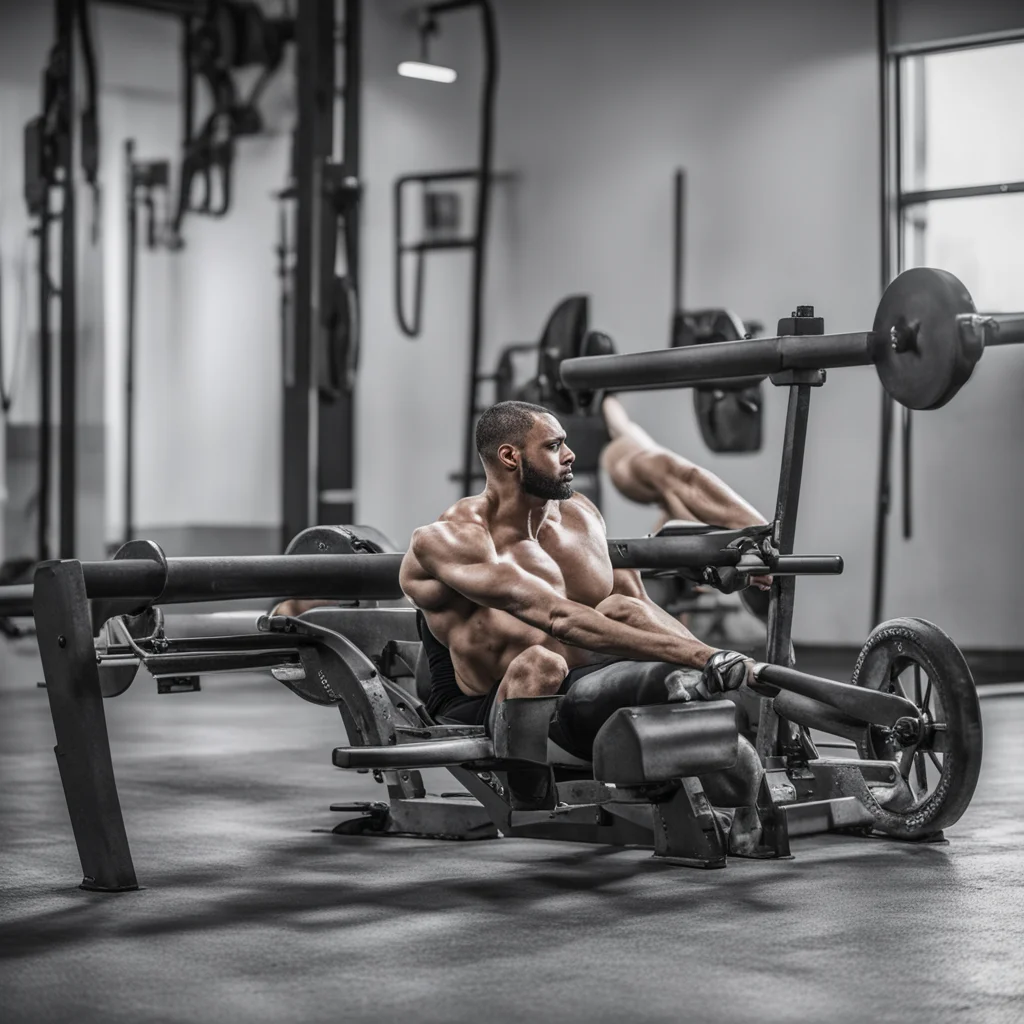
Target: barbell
925, 341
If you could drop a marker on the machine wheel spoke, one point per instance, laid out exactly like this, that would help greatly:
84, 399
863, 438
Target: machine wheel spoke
921, 770
906, 760
897, 686
935, 760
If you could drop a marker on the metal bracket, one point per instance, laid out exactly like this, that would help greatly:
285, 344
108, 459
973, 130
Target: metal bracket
787, 378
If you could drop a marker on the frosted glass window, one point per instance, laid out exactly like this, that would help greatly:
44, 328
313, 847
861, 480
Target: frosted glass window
980, 239
961, 117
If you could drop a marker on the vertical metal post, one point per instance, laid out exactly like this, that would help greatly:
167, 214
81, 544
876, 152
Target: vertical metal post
335, 466
66, 18
679, 240
483, 207
64, 633
315, 74
783, 596
890, 158
45, 384
129, 361
780, 613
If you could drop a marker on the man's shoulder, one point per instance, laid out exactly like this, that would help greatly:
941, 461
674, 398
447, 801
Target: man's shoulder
461, 529
580, 509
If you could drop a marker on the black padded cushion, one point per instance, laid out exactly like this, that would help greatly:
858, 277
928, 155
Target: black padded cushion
662, 742
684, 528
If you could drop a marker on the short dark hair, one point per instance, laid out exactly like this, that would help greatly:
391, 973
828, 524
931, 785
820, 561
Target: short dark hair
505, 423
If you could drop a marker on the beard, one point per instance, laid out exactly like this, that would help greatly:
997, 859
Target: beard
539, 485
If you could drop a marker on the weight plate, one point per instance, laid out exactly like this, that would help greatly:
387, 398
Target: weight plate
920, 356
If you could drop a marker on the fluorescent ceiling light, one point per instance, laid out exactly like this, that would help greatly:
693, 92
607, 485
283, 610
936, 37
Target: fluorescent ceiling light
431, 72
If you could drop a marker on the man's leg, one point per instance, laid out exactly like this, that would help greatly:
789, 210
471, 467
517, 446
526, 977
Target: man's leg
536, 672
592, 699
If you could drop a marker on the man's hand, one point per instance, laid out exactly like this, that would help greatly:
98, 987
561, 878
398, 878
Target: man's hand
761, 582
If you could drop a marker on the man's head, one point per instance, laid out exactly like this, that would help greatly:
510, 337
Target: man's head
527, 441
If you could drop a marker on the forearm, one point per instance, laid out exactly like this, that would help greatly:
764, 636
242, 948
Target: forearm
580, 626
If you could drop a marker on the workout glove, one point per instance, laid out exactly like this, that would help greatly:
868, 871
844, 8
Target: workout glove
724, 671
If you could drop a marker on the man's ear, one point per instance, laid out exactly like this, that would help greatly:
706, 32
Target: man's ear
508, 456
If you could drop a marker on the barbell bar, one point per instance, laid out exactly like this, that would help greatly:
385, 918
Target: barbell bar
926, 339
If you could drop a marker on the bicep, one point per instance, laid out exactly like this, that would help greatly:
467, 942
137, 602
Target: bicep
628, 583
506, 587
471, 568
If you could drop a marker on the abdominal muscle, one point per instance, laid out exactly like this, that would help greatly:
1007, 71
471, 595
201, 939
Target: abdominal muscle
483, 644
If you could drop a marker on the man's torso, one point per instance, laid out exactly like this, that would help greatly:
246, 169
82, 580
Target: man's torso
570, 554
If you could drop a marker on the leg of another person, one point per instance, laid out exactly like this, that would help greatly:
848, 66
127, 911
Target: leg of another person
644, 470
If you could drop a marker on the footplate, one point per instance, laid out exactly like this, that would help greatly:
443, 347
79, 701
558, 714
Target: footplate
429, 817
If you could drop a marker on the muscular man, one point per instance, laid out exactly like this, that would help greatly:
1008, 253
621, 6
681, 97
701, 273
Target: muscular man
519, 599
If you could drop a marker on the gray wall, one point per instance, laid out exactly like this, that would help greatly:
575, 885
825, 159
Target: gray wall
773, 111
777, 129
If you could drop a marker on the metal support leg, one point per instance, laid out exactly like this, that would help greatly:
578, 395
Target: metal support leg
83, 748
685, 830
772, 734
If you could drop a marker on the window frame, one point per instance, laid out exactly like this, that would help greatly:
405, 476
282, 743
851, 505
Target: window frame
898, 199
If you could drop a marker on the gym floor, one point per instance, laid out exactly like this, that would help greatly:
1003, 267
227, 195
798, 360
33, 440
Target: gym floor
252, 910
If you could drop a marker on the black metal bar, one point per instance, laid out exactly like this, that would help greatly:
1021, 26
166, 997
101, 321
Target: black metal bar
472, 174
693, 552
16, 600
129, 360
445, 6
314, 131
678, 240
123, 577
906, 469
890, 177
441, 243
860, 702
883, 507
186, 8
780, 611
423, 754
45, 384
1003, 328
373, 577
483, 208
966, 192
64, 633
807, 565
335, 446
194, 663
66, 18
777, 735
697, 363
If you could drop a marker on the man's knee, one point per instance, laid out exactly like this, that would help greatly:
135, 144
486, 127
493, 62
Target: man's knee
535, 672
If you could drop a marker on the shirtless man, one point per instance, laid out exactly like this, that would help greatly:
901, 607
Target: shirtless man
519, 599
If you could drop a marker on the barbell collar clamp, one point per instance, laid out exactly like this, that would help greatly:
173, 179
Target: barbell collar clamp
988, 329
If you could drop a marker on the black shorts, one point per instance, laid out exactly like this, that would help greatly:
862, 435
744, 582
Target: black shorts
597, 692
446, 701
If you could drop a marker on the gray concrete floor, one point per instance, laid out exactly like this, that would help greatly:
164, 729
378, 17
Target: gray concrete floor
252, 911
